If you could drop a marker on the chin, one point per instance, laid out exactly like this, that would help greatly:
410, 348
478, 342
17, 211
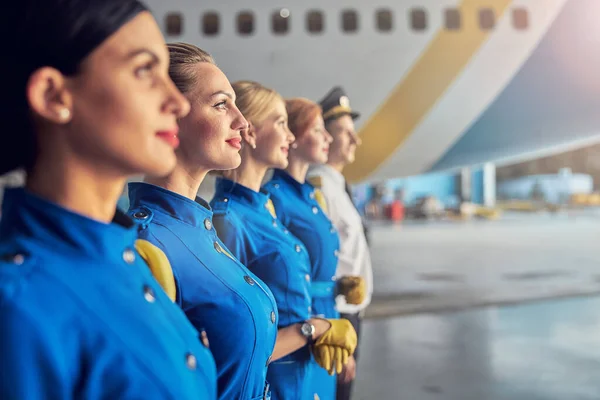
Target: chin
160, 167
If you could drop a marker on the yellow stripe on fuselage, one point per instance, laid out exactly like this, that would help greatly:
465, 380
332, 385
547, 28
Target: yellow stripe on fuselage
410, 101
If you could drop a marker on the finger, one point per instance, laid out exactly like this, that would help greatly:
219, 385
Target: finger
345, 356
338, 360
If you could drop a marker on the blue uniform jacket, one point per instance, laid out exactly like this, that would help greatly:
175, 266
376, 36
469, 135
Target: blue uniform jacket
259, 240
82, 316
218, 294
297, 208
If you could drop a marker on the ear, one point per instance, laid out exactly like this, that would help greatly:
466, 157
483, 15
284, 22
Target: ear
49, 97
249, 135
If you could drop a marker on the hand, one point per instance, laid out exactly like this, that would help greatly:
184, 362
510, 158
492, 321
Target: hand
349, 372
353, 288
341, 334
331, 358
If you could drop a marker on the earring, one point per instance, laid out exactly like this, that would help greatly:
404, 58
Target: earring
64, 114
294, 145
253, 145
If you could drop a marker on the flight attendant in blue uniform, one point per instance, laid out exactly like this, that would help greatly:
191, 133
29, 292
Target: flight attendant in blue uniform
298, 209
247, 223
82, 316
233, 308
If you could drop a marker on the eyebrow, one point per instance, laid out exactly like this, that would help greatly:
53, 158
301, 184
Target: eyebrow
137, 52
222, 92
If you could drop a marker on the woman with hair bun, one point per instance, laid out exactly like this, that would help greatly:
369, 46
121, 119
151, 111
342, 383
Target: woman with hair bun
87, 102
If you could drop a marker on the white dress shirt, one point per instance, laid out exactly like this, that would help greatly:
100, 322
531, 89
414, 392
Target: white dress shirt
354, 258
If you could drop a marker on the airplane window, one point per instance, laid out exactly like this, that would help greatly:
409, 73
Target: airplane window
245, 23
487, 19
384, 20
314, 21
452, 19
520, 18
349, 21
280, 21
174, 24
418, 19
210, 23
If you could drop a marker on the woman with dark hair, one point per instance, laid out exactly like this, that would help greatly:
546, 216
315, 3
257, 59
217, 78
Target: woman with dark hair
87, 102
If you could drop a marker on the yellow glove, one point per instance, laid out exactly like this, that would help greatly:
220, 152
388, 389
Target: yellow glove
331, 358
159, 266
353, 288
340, 334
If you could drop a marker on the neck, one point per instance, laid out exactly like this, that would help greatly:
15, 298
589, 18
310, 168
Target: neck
338, 166
182, 180
250, 173
85, 189
298, 169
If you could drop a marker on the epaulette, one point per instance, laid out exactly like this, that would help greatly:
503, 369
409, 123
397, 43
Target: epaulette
271, 208
316, 181
142, 216
320, 198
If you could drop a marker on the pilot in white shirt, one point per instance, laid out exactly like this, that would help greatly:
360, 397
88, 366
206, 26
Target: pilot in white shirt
353, 258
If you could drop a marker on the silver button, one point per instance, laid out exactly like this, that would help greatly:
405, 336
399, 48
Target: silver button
309, 309
307, 277
249, 280
207, 224
275, 223
18, 259
218, 247
276, 185
140, 215
286, 231
225, 200
149, 294
336, 253
190, 361
332, 230
129, 256
298, 248
312, 195
204, 339
273, 316
315, 210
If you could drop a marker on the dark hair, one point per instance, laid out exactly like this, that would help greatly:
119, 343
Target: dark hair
53, 33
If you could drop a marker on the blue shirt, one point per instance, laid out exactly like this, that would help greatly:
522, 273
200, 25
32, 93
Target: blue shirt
265, 246
82, 316
217, 293
298, 210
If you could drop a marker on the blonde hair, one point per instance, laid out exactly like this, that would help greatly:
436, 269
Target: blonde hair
183, 56
254, 100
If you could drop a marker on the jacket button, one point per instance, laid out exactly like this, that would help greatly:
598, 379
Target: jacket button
129, 256
225, 200
315, 210
204, 339
18, 259
336, 253
190, 361
149, 294
140, 215
276, 185
217, 247
207, 224
273, 316
249, 280
286, 231
275, 223
298, 248
312, 195
307, 277
332, 230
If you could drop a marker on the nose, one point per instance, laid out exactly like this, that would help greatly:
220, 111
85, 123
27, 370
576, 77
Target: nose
176, 103
239, 121
356, 139
290, 136
328, 137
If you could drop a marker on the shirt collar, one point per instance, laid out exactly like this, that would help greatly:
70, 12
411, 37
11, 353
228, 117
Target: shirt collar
305, 190
331, 173
24, 213
173, 204
235, 191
